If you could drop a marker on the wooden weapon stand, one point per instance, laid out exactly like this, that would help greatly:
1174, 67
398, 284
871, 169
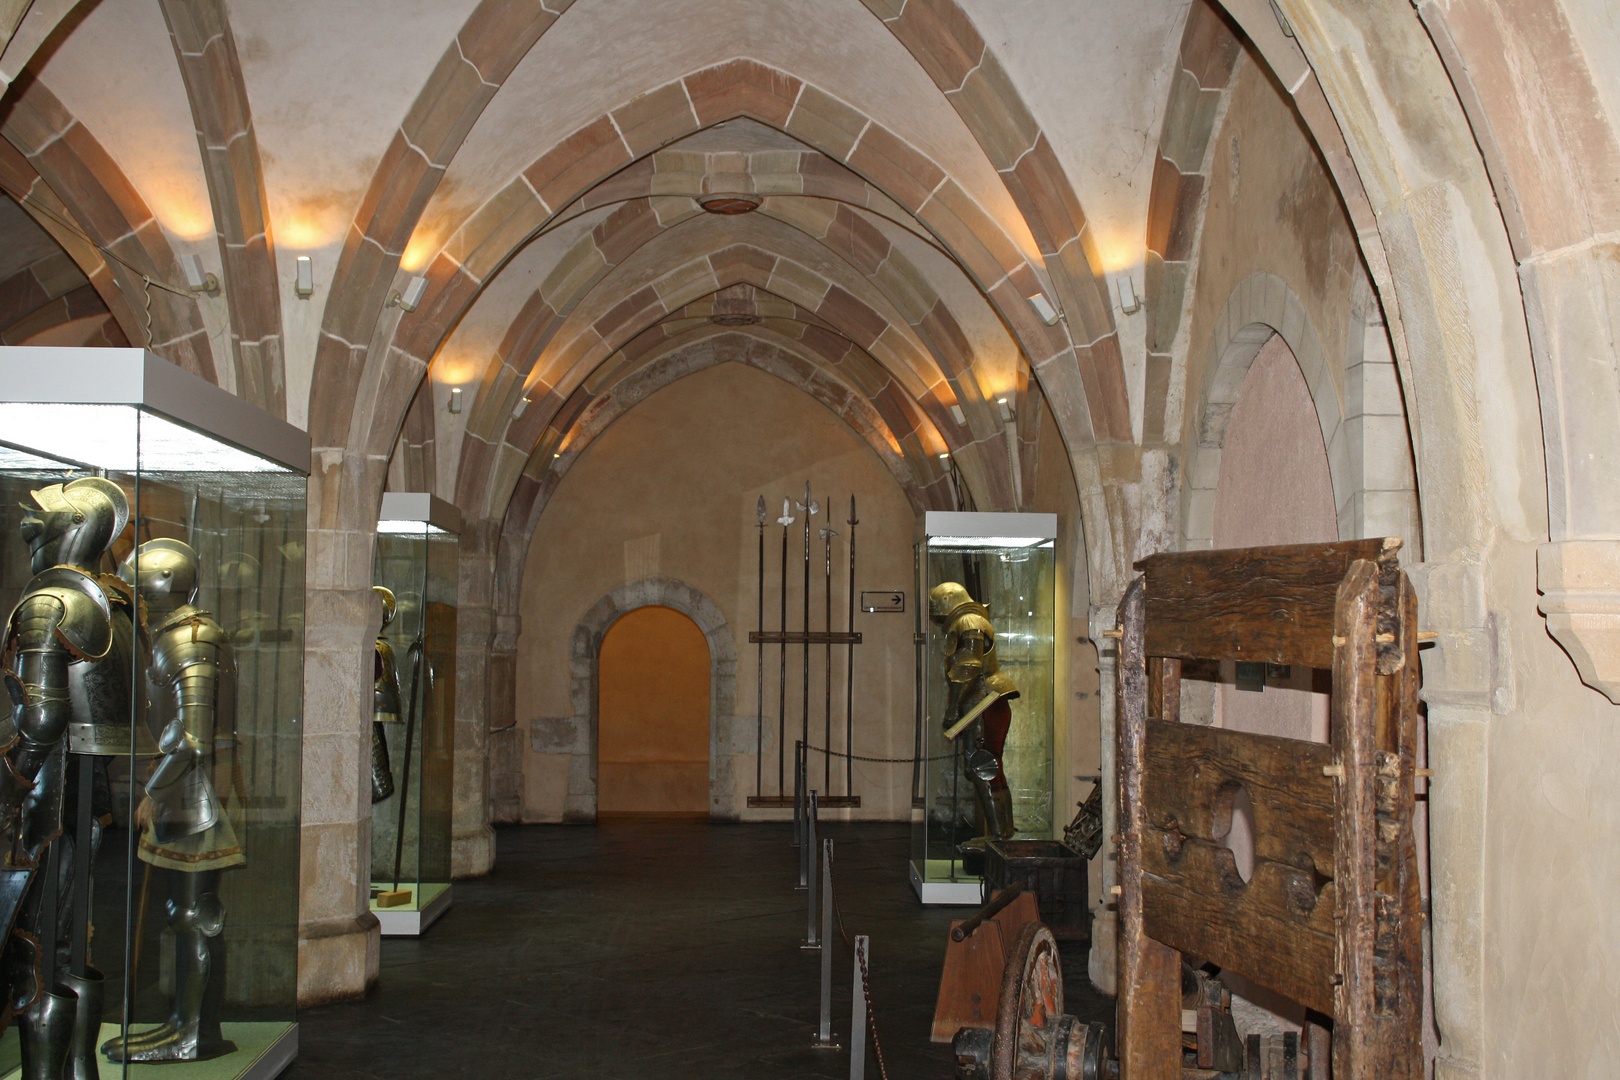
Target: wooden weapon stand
1330, 916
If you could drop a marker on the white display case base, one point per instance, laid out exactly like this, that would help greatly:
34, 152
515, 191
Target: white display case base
946, 893
409, 922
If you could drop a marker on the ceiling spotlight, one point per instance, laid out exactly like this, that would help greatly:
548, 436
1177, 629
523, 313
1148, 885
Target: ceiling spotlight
730, 203
1129, 302
198, 279
520, 408
455, 399
958, 415
946, 456
410, 297
1006, 409
304, 279
1043, 307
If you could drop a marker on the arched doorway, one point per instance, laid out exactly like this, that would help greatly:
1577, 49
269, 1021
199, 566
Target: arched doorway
653, 715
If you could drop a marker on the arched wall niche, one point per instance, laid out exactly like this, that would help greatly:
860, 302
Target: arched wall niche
576, 739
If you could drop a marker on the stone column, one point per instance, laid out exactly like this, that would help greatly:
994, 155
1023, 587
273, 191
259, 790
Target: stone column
338, 936
472, 841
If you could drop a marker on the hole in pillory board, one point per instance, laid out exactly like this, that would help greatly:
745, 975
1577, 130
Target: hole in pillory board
1233, 830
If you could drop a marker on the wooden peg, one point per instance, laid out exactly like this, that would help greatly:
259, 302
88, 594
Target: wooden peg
1333, 770
1338, 641
1116, 633
1424, 772
1428, 635
1116, 890
1385, 639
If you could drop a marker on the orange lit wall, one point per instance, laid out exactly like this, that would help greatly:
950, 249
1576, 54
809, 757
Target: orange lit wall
653, 710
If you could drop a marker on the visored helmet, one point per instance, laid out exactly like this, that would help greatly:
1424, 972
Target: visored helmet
945, 598
74, 523
164, 572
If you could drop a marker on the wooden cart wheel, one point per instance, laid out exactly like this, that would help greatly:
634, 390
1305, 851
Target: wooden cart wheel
1031, 1003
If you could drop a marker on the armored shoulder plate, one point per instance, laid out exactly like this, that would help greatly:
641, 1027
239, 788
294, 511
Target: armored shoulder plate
85, 622
188, 637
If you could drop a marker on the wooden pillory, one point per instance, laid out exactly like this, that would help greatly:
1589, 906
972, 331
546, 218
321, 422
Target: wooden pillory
1331, 915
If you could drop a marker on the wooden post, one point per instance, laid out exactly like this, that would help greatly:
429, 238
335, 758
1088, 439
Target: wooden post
1149, 1009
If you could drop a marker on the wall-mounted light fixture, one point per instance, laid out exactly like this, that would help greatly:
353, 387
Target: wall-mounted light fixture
1006, 409
520, 408
1043, 307
198, 280
410, 297
1129, 302
958, 415
304, 280
455, 399
558, 454
946, 456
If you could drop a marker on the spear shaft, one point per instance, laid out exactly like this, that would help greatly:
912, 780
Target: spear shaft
781, 673
804, 718
759, 666
849, 664
826, 624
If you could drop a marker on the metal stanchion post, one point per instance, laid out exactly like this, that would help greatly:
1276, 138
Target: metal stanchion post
823, 1039
857, 1012
807, 847
811, 940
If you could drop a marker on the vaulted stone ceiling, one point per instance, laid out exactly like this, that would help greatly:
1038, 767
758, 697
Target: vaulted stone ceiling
913, 172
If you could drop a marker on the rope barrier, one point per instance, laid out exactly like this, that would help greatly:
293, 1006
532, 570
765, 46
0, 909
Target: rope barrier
879, 760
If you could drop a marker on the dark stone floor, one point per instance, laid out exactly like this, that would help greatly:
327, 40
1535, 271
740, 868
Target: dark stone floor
639, 949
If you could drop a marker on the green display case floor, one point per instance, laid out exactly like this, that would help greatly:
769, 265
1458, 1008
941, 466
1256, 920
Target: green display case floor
263, 1050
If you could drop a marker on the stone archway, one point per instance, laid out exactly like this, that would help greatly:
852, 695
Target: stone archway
583, 665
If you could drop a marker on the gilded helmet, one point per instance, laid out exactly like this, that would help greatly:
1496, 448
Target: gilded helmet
945, 598
389, 606
164, 572
74, 523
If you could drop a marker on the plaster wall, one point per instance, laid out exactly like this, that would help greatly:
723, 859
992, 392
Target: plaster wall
669, 492
1274, 489
1271, 208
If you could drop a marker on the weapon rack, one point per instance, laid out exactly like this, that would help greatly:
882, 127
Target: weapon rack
819, 558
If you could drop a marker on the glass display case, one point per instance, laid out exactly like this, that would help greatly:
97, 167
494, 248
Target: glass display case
155, 523
413, 729
984, 743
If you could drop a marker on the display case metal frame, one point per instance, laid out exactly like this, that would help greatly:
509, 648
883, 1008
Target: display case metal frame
431, 513
969, 530
141, 380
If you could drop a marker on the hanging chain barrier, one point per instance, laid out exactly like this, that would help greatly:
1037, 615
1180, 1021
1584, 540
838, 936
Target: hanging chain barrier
860, 957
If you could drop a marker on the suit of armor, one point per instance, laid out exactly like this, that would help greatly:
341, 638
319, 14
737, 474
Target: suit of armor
68, 651
385, 701
972, 675
186, 833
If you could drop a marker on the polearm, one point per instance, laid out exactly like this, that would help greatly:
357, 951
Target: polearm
849, 665
781, 675
826, 624
810, 508
759, 666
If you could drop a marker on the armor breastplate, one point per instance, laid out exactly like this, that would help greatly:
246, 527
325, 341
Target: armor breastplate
190, 677
98, 632
385, 697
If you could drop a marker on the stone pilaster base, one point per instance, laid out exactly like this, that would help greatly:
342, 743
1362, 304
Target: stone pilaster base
338, 960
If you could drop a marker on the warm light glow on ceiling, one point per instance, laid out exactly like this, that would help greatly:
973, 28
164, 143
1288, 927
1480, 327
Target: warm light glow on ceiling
180, 215
417, 253
311, 226
453, 370
1118, 250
